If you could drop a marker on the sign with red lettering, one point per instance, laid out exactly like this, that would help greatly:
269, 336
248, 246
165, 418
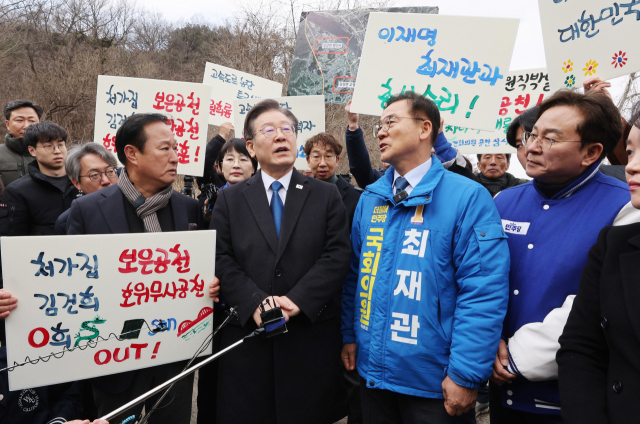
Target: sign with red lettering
105, 304
228, 85
523, 90
185, 105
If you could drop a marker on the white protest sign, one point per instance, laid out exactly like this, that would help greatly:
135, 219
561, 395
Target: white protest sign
105, 304
459, 62
228, 85
524, 89
184, 104
308, 109
589, 38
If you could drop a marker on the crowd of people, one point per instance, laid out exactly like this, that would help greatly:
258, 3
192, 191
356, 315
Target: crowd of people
427, 294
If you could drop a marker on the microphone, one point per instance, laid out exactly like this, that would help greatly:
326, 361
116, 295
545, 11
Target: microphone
273, 321
400, 196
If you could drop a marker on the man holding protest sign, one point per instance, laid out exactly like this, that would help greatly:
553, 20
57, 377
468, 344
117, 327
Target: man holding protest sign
282, 240
142, 201
432, 243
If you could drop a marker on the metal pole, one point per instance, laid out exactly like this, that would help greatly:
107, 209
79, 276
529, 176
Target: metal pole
167, 383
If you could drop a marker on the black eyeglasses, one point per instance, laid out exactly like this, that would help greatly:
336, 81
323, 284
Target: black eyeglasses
97, 176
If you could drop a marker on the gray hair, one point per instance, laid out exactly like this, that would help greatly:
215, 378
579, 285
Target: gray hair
76, 154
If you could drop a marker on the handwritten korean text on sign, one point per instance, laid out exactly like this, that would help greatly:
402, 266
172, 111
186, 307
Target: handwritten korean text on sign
185, 105
228, 85
454, 61
99, 305
524, 89
589, 38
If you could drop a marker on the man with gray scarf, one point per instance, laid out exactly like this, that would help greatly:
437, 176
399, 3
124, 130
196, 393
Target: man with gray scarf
142, 201
14, 154
493, 173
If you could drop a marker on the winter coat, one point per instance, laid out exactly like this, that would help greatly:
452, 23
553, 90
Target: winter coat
549, 241
427, 290
14, 159
31, 205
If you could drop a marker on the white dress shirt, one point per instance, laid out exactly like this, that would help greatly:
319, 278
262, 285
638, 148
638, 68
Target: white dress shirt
267, 180
413, 177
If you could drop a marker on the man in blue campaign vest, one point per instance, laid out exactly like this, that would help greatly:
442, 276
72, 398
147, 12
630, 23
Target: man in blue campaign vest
552, 222
426, 294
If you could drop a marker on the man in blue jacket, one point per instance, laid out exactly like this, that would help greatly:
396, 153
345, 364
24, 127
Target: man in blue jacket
552, 223
426, 293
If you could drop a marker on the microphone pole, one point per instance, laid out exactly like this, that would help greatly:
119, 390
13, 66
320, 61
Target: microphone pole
179, 377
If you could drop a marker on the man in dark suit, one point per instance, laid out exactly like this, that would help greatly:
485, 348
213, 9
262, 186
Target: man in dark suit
142, 201
281, 237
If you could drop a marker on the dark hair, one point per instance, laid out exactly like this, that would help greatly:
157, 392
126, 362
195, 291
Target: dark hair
633, 121
508, 155
239, 145
44, 132
323, 139
526, 121
17, 104
601, 120
420, 107
262, 107
132, 132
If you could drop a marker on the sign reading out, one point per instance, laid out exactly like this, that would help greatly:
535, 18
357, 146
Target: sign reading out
105, 304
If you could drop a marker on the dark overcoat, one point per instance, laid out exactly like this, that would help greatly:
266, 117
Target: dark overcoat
295, 377
599, 356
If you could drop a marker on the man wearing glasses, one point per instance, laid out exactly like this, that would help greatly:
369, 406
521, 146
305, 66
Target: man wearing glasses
282, 239
425, 297
32, 204
90, 167
551, 225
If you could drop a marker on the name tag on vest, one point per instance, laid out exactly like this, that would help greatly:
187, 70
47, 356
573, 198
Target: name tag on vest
515, 227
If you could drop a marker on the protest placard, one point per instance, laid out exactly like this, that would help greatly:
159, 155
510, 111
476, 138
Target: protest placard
105, 304
308, 109
459, 62
524, 89
228, 85
589, 38
328, 48
184, 104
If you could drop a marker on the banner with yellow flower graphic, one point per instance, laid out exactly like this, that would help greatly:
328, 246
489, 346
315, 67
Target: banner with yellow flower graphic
589, 38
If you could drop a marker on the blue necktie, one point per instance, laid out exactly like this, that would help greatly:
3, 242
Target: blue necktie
276, 205
401, 184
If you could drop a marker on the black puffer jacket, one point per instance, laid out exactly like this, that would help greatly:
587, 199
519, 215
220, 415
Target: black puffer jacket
31, 205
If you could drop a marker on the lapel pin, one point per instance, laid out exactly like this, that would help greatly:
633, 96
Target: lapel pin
299, 186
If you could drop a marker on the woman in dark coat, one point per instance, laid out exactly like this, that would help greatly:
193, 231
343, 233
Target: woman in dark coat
599, 356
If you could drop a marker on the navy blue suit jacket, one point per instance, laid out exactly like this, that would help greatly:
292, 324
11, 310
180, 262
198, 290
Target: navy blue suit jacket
103, 212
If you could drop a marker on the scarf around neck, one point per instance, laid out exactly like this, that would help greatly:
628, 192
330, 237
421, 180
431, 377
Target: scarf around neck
145, 208
494, 185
